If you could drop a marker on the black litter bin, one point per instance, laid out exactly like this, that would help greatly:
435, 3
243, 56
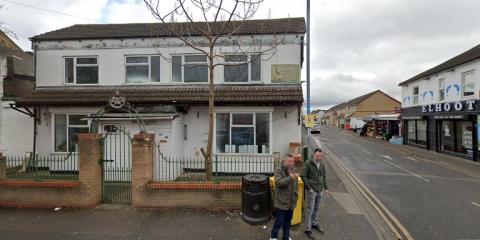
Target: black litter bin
256, 199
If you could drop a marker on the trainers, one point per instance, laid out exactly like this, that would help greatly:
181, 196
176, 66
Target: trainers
318, 228
273, 239
309, 234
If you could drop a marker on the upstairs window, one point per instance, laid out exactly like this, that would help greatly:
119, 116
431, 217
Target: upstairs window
415, 95
441, 89
190, 69
81, 70
468, 84
242, 68
142, 69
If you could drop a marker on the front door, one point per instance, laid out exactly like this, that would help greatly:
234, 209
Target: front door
117, 164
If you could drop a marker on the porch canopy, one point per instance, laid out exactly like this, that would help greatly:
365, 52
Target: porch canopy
225, 94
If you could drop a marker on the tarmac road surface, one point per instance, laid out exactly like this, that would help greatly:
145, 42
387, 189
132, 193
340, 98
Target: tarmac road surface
431, 201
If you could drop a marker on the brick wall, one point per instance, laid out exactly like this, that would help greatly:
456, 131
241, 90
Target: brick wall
145, 193
84, 193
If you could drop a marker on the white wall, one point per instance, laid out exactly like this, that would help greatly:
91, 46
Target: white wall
16, 131
111, 58
451, 77
284, 129
197, 131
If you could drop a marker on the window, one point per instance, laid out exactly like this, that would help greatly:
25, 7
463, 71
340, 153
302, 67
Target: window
81, 70
447, 138
463, 137
417, 132
66, 128
190, 69
142, 69
415, 95
411, 132
457, 136
243, 132
441, 89
422, 132
242, 68
468, 84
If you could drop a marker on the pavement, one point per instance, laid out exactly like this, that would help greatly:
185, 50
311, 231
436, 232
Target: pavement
434, 196
341, 215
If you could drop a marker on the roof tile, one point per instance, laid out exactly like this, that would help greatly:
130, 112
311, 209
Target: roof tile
146, 30
273, 94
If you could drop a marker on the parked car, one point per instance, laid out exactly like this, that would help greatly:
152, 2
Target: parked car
315, 128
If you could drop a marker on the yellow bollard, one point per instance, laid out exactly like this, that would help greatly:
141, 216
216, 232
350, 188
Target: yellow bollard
297, 212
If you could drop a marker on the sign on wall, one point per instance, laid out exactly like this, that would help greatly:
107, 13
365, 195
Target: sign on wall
285, 73
468, 105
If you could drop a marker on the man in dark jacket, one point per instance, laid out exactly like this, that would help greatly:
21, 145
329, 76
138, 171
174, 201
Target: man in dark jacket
315, 181
285, 198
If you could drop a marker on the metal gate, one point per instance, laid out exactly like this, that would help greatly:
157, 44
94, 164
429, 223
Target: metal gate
117, 165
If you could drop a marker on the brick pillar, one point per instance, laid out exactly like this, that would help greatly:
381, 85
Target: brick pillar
143, 146
90, 172
3, 167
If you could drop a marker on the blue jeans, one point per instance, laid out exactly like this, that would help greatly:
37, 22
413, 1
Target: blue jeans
282, 220
311, 211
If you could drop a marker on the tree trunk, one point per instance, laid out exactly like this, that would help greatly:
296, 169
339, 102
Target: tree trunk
211, 110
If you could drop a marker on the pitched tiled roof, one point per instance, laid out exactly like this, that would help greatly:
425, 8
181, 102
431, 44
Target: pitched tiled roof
357, 100
465, 57
274, 94
360, 99
146, 30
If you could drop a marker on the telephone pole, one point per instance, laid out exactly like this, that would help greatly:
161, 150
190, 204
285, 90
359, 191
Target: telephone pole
308, 57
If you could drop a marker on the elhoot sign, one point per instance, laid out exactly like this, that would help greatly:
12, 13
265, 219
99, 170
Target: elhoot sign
468, 105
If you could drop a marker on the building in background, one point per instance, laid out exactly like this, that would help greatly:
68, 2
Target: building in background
318, 114
440, 106
17, 79
349, 114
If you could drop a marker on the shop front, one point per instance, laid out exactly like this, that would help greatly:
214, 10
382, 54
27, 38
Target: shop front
449, 128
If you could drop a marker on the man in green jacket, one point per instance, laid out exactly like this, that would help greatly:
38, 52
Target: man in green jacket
285, 198
315, 181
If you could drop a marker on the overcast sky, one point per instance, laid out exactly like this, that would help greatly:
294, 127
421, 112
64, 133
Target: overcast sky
357, 45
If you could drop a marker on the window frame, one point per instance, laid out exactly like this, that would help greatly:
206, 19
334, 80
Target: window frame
463, 84
416, 96
441, 90
254, 123
182, 65
149, 63
75, 65
67, 126
249, 62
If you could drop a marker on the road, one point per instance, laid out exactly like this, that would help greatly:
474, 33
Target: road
431, 201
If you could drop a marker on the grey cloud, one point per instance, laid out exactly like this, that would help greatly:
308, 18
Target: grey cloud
386, 40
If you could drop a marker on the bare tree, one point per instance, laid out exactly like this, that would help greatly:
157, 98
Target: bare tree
218, 25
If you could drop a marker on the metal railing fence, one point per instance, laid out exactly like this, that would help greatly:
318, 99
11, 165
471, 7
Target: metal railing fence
224, 167
42, 168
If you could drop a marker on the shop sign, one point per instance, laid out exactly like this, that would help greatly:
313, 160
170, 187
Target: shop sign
449, 117
413, 118
468, 105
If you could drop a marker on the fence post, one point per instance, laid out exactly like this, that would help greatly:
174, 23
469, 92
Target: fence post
3, 167
143, 146
90, 169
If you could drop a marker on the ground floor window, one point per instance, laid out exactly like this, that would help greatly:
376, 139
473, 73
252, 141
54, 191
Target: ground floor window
416, 132
243, 132
456, 136
66, 128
